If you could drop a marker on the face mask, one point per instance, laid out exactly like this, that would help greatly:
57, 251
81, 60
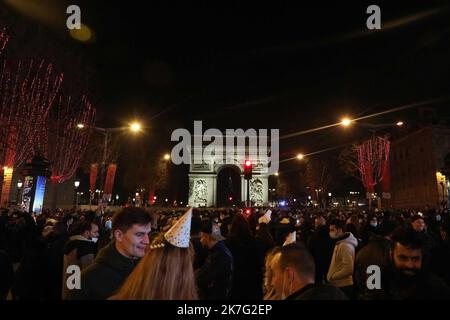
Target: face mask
438, 218
108, 224
373, 224
94, 240
333, 235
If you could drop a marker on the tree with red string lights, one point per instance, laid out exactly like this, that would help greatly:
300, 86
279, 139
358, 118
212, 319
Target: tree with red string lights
27, 92
373, 157
62, 141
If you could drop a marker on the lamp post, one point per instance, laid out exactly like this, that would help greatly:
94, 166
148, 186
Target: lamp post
134, 127
76, 184
19, 188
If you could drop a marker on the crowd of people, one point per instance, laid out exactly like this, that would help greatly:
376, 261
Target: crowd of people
219, 254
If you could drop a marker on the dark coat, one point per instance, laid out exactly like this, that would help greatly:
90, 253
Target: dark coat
6, 274
104, 277
214, 278
318, 292
248, 264
376, 252
427, 286
200, 253
440, 261
321, 247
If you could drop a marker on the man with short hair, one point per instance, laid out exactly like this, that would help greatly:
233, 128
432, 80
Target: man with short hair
418, 224
340, 272
294, 276
214, 278
408, 278
79, 250
113, 264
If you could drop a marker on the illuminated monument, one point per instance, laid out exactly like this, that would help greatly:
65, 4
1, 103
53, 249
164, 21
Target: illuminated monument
203, 180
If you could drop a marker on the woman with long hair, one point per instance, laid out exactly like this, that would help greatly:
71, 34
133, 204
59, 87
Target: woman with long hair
269, 291
165, 272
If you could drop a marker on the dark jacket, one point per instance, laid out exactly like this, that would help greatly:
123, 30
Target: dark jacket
6, 274
376, 252
247, 268
321, 247
440, 261
200, 253
318, 292
77, 251
427, 286
214, 278
103, 278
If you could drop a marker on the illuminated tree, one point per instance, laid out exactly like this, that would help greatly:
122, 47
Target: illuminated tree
27, 92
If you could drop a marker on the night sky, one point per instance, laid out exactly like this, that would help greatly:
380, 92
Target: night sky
267, 65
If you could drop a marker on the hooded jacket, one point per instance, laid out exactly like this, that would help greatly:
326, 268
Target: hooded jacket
103, 278
340, 273
78, 251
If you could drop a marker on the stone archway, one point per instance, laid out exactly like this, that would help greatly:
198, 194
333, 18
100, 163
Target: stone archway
208, 183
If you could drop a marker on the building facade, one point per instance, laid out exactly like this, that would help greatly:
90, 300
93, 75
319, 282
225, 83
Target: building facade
417, 163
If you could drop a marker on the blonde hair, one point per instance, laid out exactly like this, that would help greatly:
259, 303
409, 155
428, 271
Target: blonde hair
164, 273
269, 291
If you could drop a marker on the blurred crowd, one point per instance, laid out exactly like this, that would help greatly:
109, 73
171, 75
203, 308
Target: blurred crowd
236, 253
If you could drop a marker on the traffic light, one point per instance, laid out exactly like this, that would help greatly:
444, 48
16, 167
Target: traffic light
248, 166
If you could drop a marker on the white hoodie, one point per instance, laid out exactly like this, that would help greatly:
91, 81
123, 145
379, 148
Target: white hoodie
340, 273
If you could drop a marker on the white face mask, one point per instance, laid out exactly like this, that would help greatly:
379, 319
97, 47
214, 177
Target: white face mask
108, 224
374, 224
333, 235
94, 240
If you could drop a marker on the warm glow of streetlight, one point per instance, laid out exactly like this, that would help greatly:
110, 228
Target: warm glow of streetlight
80, 126
300, 156
135, 127
346, 122
77, 183
166, 156
400, 123
276, 174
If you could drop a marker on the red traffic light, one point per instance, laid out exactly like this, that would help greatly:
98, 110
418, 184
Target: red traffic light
248, 163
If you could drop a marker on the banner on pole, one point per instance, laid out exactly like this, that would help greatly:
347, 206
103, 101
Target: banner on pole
109, 181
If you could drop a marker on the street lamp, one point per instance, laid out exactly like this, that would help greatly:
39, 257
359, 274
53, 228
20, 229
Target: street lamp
167, 156
133, 127
19, 187
346, 122
400, 124
300, 156
76, 183
276, 174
